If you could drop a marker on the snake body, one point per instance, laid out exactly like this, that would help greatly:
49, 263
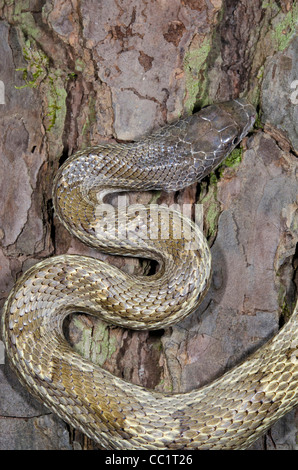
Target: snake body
231, 412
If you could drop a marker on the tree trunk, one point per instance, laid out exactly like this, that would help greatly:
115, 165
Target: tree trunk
74, 73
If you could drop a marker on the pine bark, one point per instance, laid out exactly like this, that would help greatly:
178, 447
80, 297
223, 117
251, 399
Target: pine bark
78, 72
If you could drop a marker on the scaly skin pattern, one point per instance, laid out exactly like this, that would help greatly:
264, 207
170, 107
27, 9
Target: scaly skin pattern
231, 412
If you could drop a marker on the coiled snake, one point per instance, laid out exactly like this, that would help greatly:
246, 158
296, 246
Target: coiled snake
231, 412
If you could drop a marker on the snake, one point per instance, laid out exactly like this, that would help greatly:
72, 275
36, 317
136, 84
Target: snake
229, 413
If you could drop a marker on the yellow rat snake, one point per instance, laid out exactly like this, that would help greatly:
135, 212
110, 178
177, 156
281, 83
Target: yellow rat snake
231, 412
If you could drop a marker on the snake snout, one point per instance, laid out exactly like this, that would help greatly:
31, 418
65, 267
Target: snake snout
243, 114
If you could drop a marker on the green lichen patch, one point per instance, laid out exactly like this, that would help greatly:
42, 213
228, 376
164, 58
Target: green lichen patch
211, 206
93, 341
18, 12
275, 32
270, 4
51, 81
195, 67
56, 101
234, 159
90, 118
285, 308
284, 27
155, 196
164, 386
104, 344
37, 66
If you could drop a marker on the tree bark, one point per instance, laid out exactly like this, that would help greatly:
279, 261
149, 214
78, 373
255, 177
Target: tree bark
78, 72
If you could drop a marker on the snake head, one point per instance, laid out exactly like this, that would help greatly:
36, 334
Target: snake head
215, 131
243, 114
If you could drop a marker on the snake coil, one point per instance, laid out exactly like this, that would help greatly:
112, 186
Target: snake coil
231, 412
